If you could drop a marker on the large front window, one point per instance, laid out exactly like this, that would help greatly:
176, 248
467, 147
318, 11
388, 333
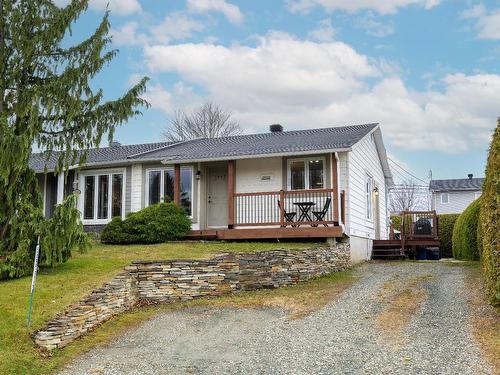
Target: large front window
306, 174
160, 184
102, 196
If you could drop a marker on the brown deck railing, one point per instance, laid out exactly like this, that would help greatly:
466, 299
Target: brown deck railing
277, 208
419, 224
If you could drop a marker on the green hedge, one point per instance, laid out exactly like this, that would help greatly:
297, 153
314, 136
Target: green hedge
465, 235
490, 221
446, 223
155, 224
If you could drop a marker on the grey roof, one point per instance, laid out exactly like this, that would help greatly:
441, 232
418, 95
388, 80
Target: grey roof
456, 184
298, 141
98, 156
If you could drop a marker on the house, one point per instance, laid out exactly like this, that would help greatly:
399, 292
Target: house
453, 196
318, 183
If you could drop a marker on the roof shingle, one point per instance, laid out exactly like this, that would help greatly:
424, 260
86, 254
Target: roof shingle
263, 144
225, 147
456, 184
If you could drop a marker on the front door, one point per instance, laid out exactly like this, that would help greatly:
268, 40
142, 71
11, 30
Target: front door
217, 197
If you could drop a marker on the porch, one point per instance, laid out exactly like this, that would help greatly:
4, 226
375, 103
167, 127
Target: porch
231, 211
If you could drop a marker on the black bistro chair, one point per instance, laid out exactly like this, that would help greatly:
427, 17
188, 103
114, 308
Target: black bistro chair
289, 216
320, 215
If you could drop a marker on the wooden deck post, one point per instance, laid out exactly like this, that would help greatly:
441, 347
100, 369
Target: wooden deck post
335, 187
230, 194
282, 208
177, 184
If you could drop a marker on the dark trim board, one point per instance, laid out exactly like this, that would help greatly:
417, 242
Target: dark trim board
266, 233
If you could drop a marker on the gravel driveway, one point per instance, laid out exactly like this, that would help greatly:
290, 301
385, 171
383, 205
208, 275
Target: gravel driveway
341, 338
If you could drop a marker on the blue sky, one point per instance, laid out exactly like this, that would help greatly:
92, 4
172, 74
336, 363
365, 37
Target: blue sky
427, 70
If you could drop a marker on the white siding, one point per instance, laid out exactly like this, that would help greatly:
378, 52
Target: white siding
457, 201
250, 171
364, 159
136, 187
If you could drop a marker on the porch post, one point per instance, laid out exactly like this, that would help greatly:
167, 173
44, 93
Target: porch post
230, 194
60, 187
335, 187
177, 184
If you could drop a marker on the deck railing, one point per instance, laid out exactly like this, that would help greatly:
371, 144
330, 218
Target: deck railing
419, 224
278, 208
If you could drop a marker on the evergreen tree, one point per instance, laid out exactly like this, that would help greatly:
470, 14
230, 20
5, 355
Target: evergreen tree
46, 99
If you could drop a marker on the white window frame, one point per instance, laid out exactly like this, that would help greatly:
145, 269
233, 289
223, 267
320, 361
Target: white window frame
447, 195
162, 184
369, 196
306, 172
96, 174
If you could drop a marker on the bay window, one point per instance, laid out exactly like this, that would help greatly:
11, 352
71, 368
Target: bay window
306, 174
102, 196
160, 187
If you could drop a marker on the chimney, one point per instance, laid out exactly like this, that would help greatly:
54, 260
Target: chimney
275, 128
115, 144
470, 175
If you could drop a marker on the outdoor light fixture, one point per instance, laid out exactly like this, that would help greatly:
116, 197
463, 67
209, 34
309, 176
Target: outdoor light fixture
375, 190
198, 175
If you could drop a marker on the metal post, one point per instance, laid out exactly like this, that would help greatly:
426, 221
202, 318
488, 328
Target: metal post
33, 279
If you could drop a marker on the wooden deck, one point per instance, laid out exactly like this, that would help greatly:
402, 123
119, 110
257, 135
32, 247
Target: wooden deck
266, 233
418, 229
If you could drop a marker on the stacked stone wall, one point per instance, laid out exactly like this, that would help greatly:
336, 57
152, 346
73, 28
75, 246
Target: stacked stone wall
180, 280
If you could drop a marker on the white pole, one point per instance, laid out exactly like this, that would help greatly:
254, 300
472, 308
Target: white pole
33, 279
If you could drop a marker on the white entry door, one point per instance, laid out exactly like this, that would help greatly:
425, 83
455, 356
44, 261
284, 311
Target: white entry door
217, 197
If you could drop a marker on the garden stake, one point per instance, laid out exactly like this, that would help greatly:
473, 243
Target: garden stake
33, 279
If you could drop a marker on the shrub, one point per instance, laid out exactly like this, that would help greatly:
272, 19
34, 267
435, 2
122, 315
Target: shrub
396, 222
115, 232
446, 222
154, 224
464, 240
490, 221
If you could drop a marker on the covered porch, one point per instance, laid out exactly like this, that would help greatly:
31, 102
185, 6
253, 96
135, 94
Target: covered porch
228, 210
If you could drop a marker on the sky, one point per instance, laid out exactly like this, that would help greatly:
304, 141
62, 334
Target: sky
427, 70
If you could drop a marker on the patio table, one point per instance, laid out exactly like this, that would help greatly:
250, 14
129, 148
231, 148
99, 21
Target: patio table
304, 208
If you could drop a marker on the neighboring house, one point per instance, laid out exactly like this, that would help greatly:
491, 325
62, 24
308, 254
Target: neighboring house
453, 196
319, 183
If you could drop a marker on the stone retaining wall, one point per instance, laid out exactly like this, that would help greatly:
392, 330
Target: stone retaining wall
179, 280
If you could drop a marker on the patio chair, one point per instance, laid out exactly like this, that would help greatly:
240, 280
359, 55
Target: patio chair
289, 216
320, 215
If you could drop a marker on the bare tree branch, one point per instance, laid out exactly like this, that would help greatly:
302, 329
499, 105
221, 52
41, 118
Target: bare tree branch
206, 121
406, 196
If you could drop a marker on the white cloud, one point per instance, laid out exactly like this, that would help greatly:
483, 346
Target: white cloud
487, 23
305, 84
477, 10
324, 32
175, 26
372, 27
230, 11
182, 96
379, 6
120, 7
128, 34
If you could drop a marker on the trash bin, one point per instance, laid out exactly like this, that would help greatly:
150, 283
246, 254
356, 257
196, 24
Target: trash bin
421, 253
433, 253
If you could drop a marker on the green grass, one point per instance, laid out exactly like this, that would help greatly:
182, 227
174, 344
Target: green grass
59, 287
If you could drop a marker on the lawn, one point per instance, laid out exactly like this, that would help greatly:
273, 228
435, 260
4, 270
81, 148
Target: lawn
57, 288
